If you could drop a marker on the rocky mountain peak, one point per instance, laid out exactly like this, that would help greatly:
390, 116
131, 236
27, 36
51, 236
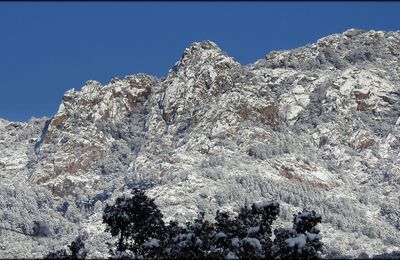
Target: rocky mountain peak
199, 78
200, 54
76, 139
316, 127
338, 51
204, 45
199, 48
3, 122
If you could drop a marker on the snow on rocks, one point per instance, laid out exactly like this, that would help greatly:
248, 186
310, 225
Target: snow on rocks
318, 120
79, 127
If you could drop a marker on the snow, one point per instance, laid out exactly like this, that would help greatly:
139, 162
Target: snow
299, 241
235, 242
303, 215
227, 125
199, 242
262, 204
252, 230
298, 90
220, 234
152, 243
184, 236
346, 83
121, 255
254, 242
292, 111
231, 255
312, 236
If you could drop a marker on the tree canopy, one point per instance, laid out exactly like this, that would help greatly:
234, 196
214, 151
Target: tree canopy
141, 233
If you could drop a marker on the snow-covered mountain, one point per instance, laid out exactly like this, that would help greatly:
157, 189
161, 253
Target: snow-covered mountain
315, 127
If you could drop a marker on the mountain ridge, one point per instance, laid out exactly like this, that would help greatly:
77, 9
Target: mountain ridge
312, 127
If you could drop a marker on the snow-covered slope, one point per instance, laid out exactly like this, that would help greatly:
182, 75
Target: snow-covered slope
315, 127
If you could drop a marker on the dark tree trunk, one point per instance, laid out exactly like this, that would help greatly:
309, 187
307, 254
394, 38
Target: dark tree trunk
121, 242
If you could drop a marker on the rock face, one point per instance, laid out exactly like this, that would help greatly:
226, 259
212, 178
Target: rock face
315, 127
88, 125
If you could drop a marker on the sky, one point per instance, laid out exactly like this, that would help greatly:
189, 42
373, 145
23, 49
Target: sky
47, 48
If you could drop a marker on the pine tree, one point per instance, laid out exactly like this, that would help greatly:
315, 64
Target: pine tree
303, 241
76, 248
194, 241
134, 220
256, 226
60, 254
137, 223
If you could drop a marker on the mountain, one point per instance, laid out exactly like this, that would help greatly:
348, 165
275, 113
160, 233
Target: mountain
315, 127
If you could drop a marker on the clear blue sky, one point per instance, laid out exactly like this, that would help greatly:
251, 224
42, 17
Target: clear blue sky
47, 48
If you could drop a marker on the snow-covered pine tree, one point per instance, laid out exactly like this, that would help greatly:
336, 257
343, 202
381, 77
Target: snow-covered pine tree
134, 220
255, 235
77, 251
303, 241
60, 254
194, 241
137, 222
77, 248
